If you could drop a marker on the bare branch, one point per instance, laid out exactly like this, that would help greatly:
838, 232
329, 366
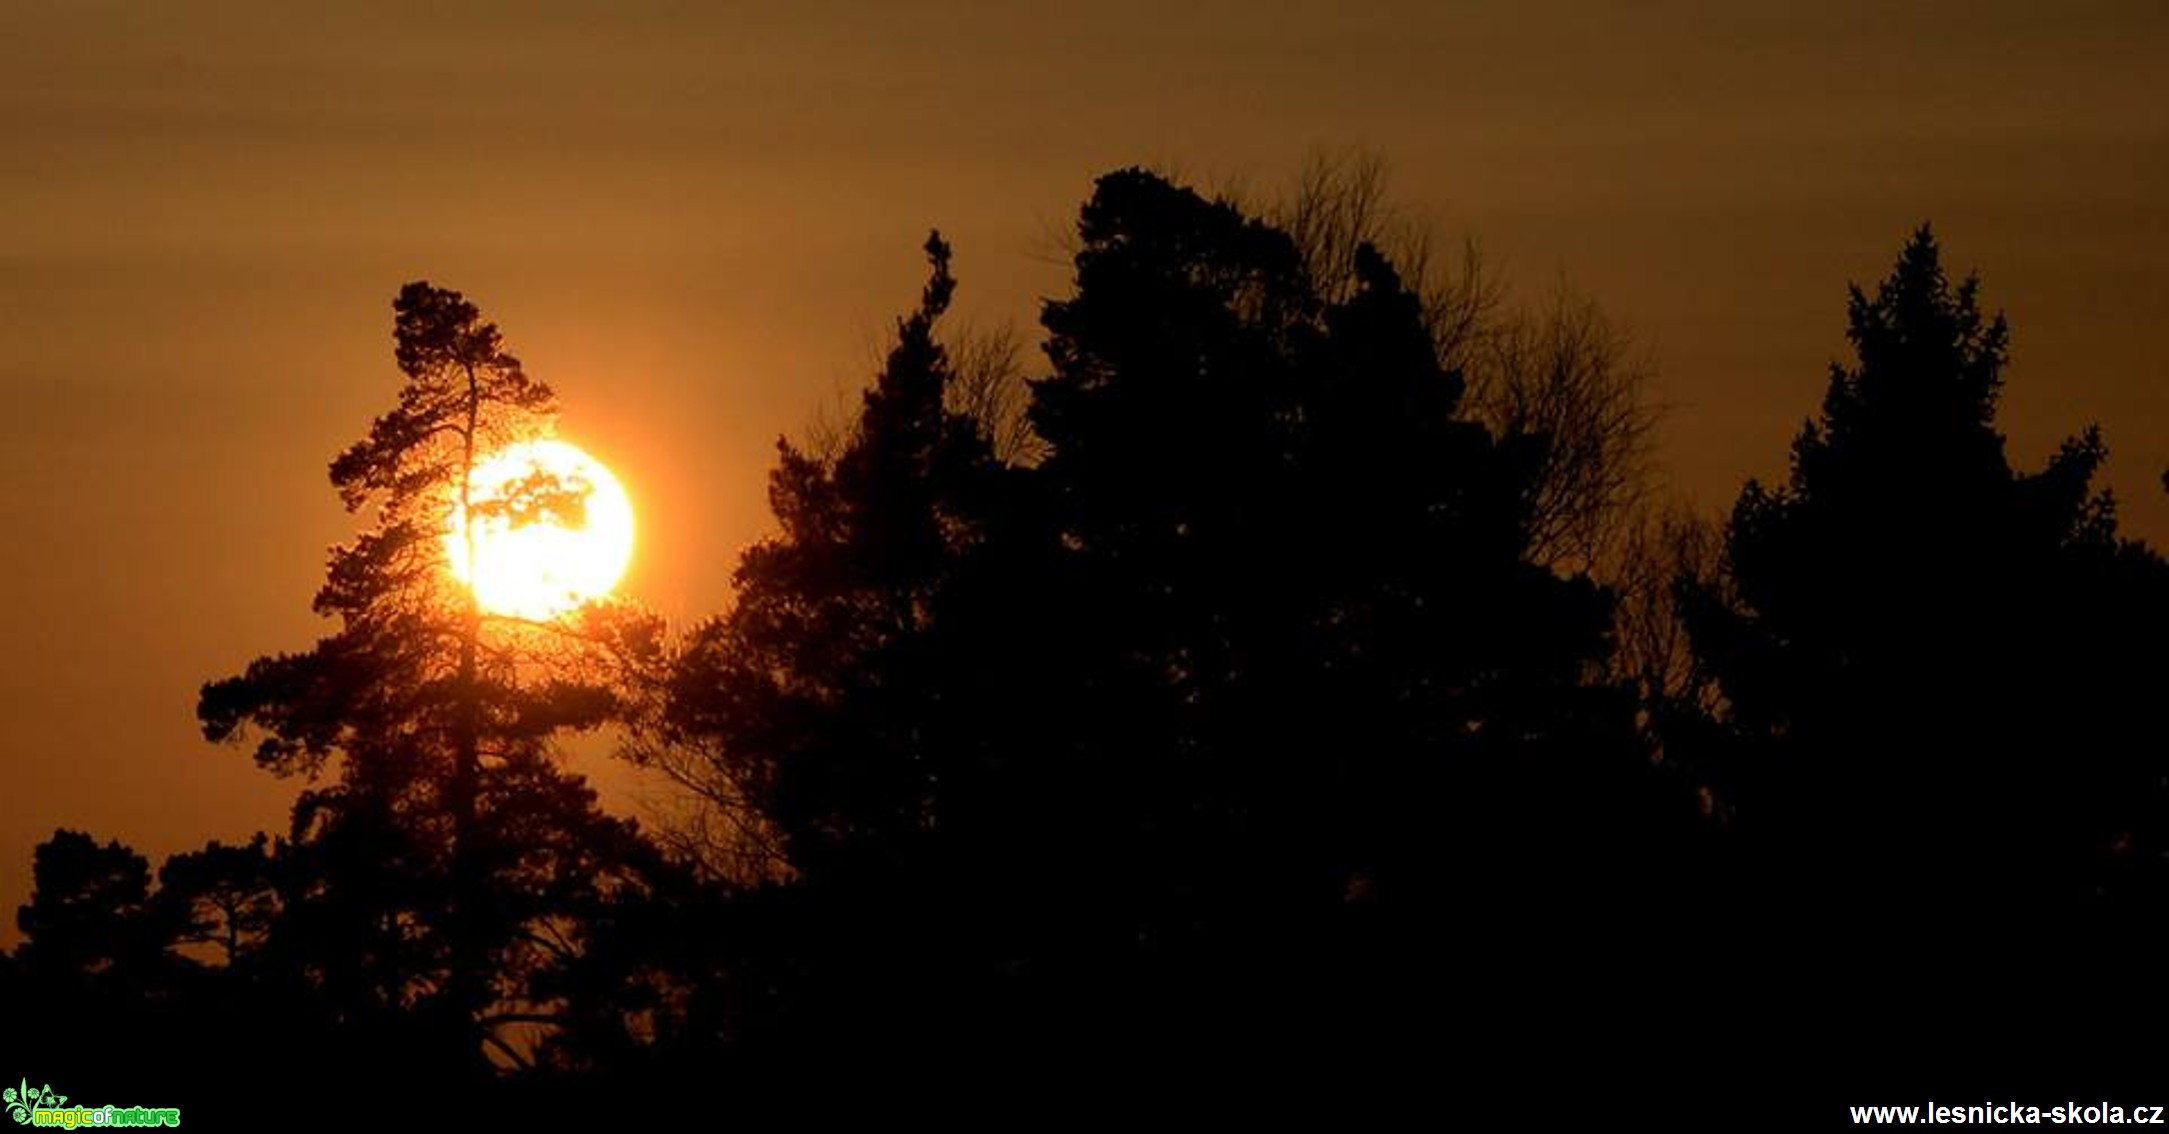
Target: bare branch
1563, 371
987, 384
1666, 543
1559, 367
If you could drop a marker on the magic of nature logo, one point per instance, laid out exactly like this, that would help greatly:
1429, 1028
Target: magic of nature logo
40, 1106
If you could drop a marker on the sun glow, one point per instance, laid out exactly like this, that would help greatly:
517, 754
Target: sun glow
552, 529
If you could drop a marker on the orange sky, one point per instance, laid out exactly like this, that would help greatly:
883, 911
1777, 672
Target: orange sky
697, 221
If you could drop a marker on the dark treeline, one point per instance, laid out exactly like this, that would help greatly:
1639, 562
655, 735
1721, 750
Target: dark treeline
1218, 711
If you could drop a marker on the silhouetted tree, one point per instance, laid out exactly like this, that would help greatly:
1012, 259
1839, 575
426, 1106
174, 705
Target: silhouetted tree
1202, 725
1558, 367
430, 872
223, 896
1563, 371
90, 915
1665, 545
1328, 650
829, 715
1937, 677
98, 972
1341, 202
988, 383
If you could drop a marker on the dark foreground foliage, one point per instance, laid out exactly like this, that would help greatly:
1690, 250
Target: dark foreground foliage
1240, 742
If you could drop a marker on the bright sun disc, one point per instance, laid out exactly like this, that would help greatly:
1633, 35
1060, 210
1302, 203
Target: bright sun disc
552, 529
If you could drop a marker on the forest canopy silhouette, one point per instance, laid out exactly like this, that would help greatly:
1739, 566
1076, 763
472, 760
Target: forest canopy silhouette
1297, 693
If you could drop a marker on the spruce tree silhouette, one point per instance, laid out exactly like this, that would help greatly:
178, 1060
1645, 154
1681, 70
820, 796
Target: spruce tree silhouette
838, 700
1935, 675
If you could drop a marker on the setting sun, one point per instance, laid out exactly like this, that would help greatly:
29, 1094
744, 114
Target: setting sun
552, 529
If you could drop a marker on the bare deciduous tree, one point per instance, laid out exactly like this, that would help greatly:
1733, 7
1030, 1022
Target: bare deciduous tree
1340, 202
1558, 366
1665, 543
712, 822
1562, 369
987, 382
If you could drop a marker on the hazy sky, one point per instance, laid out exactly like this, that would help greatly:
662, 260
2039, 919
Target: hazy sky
698, 222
